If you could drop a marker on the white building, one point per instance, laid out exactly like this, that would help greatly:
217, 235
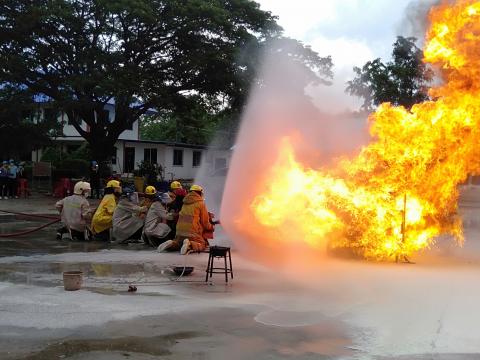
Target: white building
178, 160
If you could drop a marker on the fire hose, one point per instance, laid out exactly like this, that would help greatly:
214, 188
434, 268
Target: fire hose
53, 219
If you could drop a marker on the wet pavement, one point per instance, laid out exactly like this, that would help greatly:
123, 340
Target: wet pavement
343, 311
37, 261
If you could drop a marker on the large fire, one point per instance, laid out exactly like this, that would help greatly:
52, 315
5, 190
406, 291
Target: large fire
400, 192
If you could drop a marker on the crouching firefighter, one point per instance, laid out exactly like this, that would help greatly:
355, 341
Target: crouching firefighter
102, 220
193, 222
127, 221
75, 212
157, 230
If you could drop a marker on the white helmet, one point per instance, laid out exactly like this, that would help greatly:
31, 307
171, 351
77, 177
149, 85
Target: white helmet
82, 188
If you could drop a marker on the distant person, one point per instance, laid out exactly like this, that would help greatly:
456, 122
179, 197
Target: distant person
21, 169
12, 179
102, 220
4, 180
156, 230
75, 212
149, 196
194, 221
128, 218
95, 180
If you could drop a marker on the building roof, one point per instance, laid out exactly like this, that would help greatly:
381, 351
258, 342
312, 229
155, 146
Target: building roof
42, 98
167, 143
156, 142
174, 144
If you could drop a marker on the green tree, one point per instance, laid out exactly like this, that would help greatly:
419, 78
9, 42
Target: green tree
402, 81
21, 128
197, 126
161, 54
199, 122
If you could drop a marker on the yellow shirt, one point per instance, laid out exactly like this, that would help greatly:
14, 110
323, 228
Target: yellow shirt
102, 220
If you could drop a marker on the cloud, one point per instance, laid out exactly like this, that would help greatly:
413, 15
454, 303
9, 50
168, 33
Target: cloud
345, 51
351, 31
300, 16
371, 23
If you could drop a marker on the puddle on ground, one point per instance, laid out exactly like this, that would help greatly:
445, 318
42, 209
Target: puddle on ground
284, 318
155, 346
94, 273
100, 278
432, 357
122, 291
44, 241
116, 355
218, 333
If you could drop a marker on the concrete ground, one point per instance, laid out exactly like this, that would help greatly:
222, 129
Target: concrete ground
336, 309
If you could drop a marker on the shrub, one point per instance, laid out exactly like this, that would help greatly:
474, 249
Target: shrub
72, 168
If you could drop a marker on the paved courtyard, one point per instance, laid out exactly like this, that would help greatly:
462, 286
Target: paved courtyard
333, 309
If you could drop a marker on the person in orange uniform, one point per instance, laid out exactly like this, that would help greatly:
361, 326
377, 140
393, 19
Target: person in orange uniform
193, 222
102, 219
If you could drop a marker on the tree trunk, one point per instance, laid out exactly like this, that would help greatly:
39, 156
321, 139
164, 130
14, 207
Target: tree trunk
102, 134
102, 149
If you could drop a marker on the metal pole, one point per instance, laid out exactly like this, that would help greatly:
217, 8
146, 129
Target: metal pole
404, 217
404, 212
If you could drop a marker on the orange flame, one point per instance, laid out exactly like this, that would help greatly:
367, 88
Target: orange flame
418, 157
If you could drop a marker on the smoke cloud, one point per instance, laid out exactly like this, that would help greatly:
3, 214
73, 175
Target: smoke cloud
415, 19
281, 107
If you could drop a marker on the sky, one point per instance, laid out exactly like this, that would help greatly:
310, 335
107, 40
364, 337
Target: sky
351, 31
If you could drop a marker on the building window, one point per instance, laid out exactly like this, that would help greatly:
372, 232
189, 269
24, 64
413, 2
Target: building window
177, 157
71, 121
72, 148
50, 114
105, 115
114, 157
150, 155
197, 158
129, 159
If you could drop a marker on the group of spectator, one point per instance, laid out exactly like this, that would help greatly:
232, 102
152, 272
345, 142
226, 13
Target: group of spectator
9, 175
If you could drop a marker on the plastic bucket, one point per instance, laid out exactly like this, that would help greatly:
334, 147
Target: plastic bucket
72, 280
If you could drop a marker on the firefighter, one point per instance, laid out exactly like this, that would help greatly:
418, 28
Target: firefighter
75, 212
127, 221
156, 230
149, 196
177, 193
193, 222
102, 220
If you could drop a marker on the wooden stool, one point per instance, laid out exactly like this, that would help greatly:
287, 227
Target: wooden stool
219, 252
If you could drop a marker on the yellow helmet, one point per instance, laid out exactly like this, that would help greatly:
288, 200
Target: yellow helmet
196, 188
150, 190
113, 184
175, 185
